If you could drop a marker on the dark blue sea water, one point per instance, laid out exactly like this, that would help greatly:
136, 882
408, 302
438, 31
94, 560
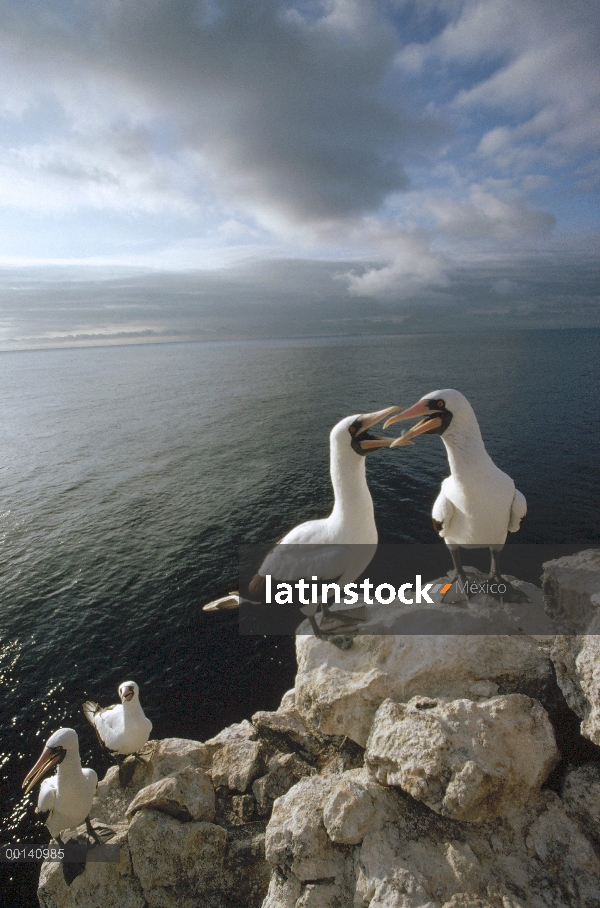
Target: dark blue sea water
129, 476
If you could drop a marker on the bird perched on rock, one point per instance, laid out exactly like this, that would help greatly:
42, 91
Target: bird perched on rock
478, 504
336, 548
65, 799
123, 728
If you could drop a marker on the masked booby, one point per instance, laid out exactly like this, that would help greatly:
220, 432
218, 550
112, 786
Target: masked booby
66, 797
122, 729
329, 552
478, 504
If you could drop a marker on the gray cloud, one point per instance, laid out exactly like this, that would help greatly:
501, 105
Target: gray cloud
285, 298
178, 134
281, 110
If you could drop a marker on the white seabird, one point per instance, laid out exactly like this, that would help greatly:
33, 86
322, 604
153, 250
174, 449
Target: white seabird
66, 797
478, 504
123, 728
329, 553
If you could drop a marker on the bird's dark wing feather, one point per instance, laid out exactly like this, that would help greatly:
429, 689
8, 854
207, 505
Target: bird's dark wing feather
90, 709
257, 585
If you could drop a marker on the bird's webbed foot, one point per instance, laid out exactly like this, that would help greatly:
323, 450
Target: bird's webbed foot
459, 589
341, 640
100, 834
458, 577
143, 756
500, 588
92, 832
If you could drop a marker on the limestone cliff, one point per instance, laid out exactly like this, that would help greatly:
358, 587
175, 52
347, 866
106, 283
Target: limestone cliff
401, 772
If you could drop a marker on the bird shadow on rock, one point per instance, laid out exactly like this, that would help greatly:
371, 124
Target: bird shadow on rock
86, 849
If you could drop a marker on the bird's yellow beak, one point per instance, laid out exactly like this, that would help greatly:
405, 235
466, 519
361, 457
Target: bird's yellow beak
46, 762
421, 408
374, 441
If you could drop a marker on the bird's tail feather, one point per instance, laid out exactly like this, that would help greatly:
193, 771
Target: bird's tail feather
224, 603
89, 710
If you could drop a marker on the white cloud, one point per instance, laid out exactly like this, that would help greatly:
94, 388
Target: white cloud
408, 264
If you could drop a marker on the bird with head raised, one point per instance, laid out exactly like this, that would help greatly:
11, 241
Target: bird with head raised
478, 504
123, 728
337, 548
65, 798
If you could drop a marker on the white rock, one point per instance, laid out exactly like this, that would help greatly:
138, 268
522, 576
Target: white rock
236, 764
111, 801
188, 796
470, 761
288, 699
555, 840
339, 691
483, 690
349, 813
296, 840
170, 756
178, 864
236, 756
288, 727
424, 859
239, 731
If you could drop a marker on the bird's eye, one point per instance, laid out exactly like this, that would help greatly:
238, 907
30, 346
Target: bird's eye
352, 430
440, 404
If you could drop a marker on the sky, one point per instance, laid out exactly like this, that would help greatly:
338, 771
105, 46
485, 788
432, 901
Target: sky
403, 153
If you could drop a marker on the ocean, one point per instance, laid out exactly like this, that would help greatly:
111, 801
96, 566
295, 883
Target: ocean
131, 474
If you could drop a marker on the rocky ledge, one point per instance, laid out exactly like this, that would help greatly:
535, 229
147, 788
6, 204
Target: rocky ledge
402, 772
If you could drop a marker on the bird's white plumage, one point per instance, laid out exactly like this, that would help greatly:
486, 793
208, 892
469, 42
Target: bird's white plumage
122, 728
67, 796
47, 795
517, 512
478, 503
443, 510
338, 547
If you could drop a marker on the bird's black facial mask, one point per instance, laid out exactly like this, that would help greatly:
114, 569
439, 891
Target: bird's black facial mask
363, 441
355, 431
60, 752
435, 421
438, 408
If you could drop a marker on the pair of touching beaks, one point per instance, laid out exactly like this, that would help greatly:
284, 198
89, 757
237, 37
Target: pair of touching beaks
421, 408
